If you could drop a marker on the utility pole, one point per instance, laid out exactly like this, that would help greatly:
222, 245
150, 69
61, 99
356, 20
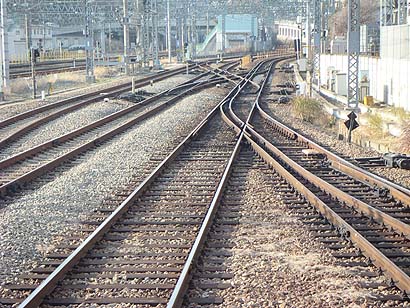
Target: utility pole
4, 52
89, 44
386, 12
109, 38
194, 32
102, 43
324, 26
223, 30
353, 49
207, 17
125, 21
169, 32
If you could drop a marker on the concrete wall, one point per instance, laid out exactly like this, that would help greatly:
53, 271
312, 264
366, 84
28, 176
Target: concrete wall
388, 76
395, 42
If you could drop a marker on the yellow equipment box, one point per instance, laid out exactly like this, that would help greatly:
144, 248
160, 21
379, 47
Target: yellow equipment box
368, 100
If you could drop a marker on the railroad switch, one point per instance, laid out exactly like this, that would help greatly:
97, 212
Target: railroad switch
397, 160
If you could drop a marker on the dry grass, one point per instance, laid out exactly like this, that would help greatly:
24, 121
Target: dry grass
307, 109
105, 72
400, 113
376, 124
23, 86
404, 140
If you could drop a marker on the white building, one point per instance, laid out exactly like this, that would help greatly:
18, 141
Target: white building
41, 37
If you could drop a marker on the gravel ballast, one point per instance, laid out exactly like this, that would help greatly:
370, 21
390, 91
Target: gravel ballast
79, 118
284, 113
277, 262
10, 109
28, 223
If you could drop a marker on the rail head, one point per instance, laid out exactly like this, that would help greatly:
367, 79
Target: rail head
183, 280
400, 278
398, 191
48, 285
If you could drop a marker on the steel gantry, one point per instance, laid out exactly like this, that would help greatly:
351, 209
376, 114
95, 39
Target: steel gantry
394, 12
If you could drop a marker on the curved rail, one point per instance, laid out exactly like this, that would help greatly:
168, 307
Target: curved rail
399, 192
183, 280
262, 146
84, 100
16, 183
46, 286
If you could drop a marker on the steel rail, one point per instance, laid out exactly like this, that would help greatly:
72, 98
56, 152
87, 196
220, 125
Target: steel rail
399, 192
98, 93
40, 71
127, 85
361, 206
9, 161
87, 101
25, 129
401, 279
185, 276
29, 176
398, 276
48, 285
225, 73
238, 76
52, 67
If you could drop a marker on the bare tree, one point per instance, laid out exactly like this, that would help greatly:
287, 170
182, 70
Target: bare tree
369, 14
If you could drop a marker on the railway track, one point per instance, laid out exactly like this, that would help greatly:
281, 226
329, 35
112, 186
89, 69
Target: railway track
20, 124
356, 237
146, 251
46, 67
57, 66
14, 128
373, 218
22, 168
149, 235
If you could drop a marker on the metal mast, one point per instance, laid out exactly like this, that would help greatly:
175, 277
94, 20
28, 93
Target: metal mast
4, 52
89, 48
386, 12
223, 31
126, 36
169, 42
145, 31
194, 30
353, 49
154, 17
317, 40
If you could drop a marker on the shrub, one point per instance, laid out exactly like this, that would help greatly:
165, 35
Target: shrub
306, 108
